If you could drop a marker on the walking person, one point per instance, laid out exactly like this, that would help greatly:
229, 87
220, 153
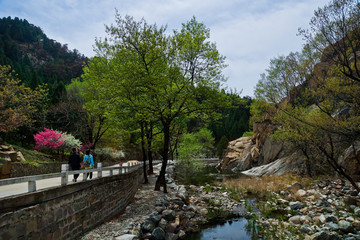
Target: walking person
75, 162
88, 162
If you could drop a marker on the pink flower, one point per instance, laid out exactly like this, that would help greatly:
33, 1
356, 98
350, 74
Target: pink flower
48, 139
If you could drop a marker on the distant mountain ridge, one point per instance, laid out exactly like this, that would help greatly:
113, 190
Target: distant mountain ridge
36, 58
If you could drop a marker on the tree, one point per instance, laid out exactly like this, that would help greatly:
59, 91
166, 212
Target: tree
18, 104
152, 76
193, 146
324, 119
83, 96
334, 31
48, 140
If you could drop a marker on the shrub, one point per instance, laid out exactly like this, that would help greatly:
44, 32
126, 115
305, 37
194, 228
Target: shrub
108, 154
48, 139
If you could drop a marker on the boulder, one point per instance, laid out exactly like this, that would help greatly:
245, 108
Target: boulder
345, 226
126, 237
237, 156
293, 163
348, 160
158, 234
147, 226
20, 157
5, 167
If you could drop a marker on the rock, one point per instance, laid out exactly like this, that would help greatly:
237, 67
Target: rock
155, 219
305, 229
296, 205
171, 236
181, 193
349, 161
345, 226
351, 200
20, 157
282, 201
163, 223
305, 219
162, 202
332, 226
296, 186
357, 211
5, 167
237, 155
270, 150
295, 219
203, 211
322, 218
255, 153
289, 164
300, 193
158, 234
190, 215
169, 215
324, 235
147, 226
181, 234
179, 203
126, 237
172, 227
331, 218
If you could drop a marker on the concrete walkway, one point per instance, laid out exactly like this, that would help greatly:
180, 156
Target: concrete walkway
20, 188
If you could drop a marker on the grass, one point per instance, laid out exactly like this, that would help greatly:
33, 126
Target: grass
33, 157
262, 187
265, 190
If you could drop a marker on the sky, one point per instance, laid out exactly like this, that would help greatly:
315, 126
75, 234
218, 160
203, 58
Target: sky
247, 32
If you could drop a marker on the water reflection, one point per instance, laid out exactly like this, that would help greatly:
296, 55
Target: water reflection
232, 230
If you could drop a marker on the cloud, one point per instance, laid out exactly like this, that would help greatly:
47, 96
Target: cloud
249, 33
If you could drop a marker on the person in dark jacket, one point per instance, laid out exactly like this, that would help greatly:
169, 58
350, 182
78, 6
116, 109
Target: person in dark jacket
74, 162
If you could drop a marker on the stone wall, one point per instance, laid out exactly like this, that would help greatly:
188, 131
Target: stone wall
66, 212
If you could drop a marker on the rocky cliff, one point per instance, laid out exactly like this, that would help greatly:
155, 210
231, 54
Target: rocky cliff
259, 155
258, 150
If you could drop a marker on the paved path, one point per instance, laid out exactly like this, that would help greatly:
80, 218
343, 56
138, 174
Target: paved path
19, 188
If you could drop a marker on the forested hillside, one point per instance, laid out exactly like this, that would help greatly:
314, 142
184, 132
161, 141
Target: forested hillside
66, 98
36, 58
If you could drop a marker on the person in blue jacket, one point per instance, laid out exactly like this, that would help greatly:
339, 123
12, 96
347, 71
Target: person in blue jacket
88, 162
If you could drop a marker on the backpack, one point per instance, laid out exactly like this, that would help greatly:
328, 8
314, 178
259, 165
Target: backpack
86, 163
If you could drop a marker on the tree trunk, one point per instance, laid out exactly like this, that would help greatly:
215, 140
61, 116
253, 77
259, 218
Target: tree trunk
307, 162
161, 181
143, 153
149, 137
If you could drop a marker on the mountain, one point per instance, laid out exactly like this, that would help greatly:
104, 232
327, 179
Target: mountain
36, 58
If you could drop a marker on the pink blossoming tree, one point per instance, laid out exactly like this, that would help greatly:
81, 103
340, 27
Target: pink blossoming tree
48, 140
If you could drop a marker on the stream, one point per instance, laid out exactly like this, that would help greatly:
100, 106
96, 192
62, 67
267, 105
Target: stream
234, 229
231, 230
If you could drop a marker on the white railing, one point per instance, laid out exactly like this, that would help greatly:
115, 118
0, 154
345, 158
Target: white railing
65, 173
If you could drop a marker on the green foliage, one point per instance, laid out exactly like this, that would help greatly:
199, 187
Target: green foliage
234, 119
19, 39
193, 146
248, 134
144, 79
108, 154
222, 145
261, 110
32, 156
320, 116
19, 104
